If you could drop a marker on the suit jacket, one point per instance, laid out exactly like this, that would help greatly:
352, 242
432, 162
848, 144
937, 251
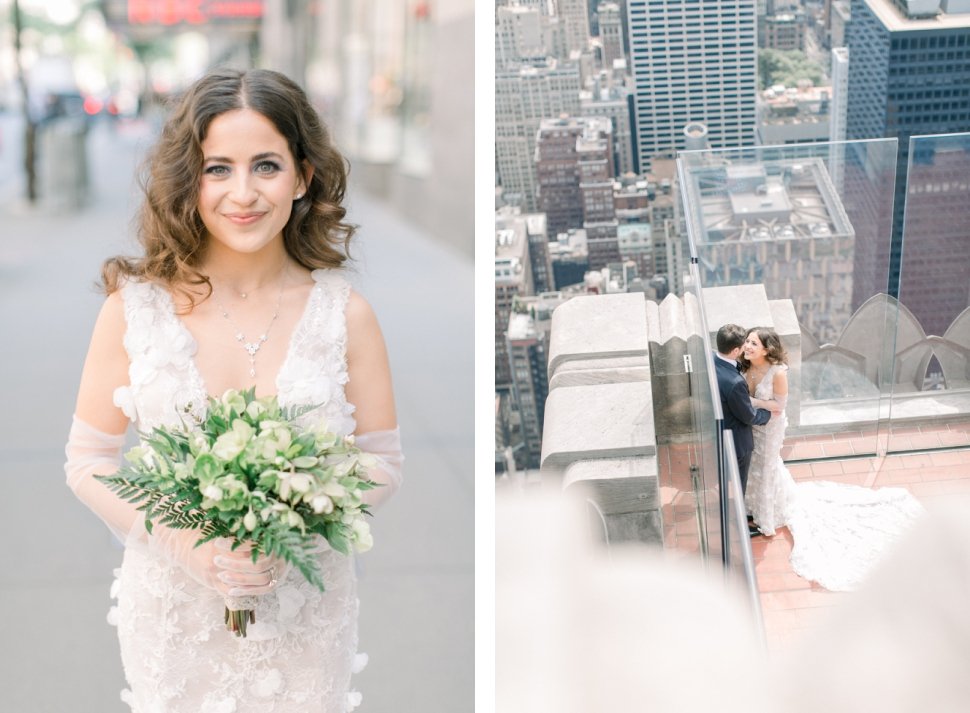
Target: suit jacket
739, 414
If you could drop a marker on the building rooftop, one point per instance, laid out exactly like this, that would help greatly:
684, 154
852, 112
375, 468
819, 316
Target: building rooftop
922, 14
783, 199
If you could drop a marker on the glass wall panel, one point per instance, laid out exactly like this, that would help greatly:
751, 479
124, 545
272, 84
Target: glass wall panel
703, 447
798, 238
740, 561
931, 375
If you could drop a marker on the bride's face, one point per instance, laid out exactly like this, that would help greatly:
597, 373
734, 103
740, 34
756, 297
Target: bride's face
754, 350
249, 182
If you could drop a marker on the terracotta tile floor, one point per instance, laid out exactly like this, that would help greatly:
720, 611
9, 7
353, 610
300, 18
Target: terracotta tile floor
790, 604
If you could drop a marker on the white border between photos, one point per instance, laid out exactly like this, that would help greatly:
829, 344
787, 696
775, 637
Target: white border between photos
484, 357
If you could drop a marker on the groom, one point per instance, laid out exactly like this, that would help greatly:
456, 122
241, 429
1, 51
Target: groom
739, 414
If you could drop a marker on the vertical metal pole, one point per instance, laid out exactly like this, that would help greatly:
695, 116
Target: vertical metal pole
723, 499
30, 128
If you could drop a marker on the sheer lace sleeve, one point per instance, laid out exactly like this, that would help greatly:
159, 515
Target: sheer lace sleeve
92, 452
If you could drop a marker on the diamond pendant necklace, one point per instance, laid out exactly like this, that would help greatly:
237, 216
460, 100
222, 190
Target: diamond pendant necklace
252, 348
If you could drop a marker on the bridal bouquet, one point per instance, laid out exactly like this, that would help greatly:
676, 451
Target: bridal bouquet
250, 473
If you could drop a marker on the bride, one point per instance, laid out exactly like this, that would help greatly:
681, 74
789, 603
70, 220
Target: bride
839, 531
238, 286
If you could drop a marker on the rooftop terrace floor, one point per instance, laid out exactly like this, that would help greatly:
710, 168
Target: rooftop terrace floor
791, 605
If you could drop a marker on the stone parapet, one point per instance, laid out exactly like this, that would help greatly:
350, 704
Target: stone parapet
598, 327
598, 421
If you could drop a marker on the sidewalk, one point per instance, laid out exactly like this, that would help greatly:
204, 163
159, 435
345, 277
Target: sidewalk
416, 586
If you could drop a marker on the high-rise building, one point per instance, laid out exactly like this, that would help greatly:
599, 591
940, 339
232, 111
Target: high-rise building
692, 62
513, 277
574, 169
575, 13
840, 93
530, 325
840, 16
537, 235
557, 173
909, 75
569, 253
518, 35
783, 30
837, 114
781, 224
524, 95
936, 258
611, 100
611, 32
794, 115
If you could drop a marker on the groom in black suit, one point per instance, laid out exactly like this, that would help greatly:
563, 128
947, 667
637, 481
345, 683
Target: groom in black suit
739, 413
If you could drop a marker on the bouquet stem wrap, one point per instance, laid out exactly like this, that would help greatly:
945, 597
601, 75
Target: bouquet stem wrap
240, 613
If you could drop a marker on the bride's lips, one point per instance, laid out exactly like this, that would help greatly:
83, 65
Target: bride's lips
244, 218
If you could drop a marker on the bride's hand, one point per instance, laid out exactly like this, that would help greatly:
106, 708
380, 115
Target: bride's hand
239, 576
769, 405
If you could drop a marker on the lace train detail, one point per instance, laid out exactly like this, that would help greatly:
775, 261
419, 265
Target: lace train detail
300, 653
840, 531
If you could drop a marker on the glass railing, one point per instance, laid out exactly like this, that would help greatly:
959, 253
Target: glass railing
798, 238
931, 355
705, 417
738, 561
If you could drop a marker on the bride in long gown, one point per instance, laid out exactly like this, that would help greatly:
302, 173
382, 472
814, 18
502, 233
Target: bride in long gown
239, 286
840, 531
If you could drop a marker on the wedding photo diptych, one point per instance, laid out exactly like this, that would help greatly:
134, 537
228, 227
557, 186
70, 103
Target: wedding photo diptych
553, 356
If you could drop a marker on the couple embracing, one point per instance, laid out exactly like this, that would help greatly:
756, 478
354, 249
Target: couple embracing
839, 531
743, 359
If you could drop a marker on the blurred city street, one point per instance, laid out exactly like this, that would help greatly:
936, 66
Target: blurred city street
59, 654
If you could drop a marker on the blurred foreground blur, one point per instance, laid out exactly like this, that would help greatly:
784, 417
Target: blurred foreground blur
580, 627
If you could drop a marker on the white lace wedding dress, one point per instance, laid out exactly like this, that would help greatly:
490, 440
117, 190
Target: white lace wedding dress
178, 657
840, 531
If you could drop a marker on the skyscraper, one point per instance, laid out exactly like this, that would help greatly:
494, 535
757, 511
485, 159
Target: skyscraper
513, 277
692, 62
909, 74
575, 13
518, 35
611, 32
524, 95
574, 167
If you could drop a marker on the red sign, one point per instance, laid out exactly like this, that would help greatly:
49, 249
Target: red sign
193, 12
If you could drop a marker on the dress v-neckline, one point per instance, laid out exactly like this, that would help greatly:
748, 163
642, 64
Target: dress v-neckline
762, 380
193, 344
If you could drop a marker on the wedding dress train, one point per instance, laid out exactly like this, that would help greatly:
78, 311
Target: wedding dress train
840, 531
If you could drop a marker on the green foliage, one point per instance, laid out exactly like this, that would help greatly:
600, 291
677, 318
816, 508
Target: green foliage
248, 472
787, 67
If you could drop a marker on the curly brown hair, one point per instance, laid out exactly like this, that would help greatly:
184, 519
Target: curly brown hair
772, 343
169, 226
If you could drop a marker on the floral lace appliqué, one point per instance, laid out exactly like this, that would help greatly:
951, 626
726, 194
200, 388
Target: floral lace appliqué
301, 652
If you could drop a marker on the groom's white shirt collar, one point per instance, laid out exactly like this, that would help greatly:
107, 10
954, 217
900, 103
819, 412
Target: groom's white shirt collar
732, 362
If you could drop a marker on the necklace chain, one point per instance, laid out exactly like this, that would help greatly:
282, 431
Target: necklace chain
252, 348
760, 375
